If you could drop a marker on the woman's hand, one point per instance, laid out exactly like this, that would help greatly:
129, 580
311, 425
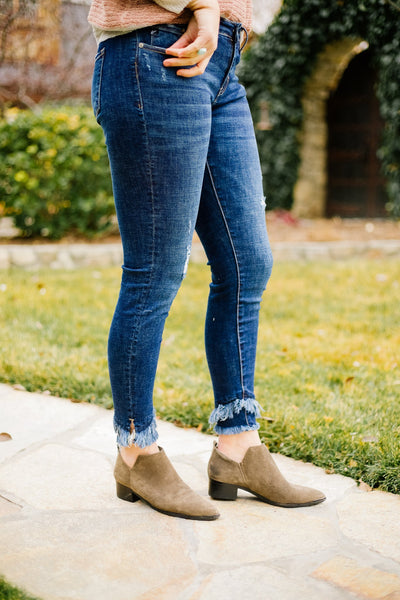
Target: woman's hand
201, 33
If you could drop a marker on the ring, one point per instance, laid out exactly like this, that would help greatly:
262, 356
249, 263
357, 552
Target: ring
201, 51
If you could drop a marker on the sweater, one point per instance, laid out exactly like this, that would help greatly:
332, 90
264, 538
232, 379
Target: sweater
110, 18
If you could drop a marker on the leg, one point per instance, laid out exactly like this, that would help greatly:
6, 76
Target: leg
231, 226
157, 145
157, 172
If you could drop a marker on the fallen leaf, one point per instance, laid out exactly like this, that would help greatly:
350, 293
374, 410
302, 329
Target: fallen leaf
364, 486
369, 438
19, 387
5, 437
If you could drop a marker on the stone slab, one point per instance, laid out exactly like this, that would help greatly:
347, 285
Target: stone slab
260, 582
274, 533
32, 418
363, 581
7, 507
56, 477
67, 537
372, 519
97, 555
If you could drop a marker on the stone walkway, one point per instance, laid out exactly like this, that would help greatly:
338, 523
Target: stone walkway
64, 535
71, 256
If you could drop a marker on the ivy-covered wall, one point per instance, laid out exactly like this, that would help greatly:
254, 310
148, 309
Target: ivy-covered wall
276, 67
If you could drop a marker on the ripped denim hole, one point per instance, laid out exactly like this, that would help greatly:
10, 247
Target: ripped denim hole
185, 268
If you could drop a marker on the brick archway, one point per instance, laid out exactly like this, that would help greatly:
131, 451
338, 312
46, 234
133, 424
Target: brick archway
310, 188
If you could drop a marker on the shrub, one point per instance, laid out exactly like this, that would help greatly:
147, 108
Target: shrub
54, 172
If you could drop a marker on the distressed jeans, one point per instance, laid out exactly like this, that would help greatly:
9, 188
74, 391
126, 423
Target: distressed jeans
183, 156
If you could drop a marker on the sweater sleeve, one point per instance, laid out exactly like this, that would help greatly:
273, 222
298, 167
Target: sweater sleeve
175, 6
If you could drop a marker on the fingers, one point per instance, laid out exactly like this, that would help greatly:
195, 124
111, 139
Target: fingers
201, 35
199, 66
198, 69
187, 61
188, 58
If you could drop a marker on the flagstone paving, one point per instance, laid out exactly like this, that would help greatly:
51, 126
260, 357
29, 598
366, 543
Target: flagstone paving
64, 535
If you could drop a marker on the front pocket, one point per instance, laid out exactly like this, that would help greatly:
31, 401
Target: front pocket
156, 49
159, 38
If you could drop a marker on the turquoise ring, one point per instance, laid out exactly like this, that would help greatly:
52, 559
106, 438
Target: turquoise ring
201, 51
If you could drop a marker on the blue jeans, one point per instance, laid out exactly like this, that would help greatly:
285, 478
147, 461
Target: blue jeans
183, 156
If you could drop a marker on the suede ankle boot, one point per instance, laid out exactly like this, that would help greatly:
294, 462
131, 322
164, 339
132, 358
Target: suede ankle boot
154, 480
259, 475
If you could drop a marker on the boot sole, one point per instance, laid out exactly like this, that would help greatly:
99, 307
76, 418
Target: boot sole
228, 491
126, 493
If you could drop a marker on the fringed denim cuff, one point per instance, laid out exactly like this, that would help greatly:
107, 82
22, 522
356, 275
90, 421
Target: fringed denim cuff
138, 438
250, 409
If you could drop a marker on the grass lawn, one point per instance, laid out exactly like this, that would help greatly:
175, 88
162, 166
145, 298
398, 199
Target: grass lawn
9, 592
328, 363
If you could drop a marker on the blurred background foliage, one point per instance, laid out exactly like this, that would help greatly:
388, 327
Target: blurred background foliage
54, 172
277, 65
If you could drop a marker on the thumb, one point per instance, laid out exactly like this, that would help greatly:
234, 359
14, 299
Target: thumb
182, 42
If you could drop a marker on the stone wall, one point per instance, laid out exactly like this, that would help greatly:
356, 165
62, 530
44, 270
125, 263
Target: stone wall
310, 189
72, 256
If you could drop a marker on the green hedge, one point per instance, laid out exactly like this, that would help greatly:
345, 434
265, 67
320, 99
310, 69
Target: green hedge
54, 172
277, 65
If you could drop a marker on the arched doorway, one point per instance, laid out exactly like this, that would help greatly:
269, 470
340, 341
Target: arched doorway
355, 187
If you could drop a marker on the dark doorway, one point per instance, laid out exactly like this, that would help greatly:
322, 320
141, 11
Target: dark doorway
356, 187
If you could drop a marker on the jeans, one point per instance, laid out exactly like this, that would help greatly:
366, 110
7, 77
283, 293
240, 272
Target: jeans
183, 156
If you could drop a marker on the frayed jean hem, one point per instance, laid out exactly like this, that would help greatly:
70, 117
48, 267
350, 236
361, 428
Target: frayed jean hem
236, 416
137, 438
228, 411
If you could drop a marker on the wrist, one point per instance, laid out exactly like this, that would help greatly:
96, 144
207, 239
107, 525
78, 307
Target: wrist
201, 4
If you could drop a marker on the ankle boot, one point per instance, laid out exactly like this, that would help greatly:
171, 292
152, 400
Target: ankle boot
259, 475
154, 480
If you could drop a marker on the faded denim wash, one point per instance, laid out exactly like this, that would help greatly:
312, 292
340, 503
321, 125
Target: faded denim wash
183, 156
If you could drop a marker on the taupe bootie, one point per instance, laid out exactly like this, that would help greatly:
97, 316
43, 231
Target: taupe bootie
154, 480
259, 475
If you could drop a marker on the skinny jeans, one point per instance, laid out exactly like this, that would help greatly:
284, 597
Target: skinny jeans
183, 156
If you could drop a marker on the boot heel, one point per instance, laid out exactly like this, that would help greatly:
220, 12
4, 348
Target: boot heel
126, 493
222, 491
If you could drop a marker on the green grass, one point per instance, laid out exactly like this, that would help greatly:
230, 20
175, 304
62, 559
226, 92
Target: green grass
9, 592
327, 369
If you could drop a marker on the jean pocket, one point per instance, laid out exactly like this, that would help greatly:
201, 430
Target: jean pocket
151, 48
160, 38
97, 80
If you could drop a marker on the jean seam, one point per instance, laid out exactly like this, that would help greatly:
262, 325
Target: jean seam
140, 106
148, 282
99, 58
238, 276
225, 79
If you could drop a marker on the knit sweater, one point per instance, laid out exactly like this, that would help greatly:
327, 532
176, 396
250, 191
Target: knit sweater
114, 17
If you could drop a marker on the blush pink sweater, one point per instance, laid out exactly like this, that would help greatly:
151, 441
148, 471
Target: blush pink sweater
113, 17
